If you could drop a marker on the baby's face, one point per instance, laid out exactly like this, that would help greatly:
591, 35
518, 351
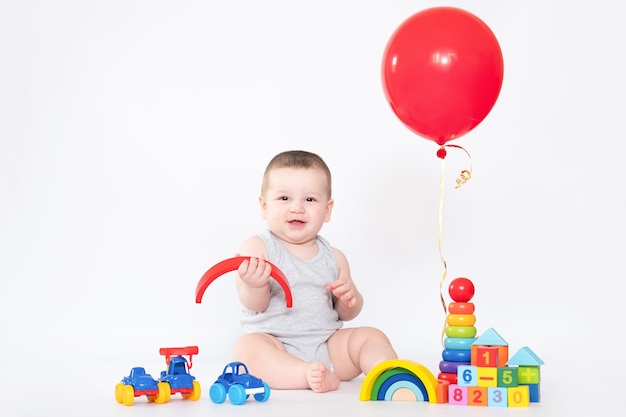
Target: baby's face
296, 203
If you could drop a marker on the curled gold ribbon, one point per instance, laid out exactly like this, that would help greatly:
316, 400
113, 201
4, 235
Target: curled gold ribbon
465, 176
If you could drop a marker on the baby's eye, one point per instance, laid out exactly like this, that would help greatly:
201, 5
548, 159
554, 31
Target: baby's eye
283, 198
310, 199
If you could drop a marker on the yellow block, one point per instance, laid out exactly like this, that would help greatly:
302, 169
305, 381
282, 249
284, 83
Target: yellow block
518, 396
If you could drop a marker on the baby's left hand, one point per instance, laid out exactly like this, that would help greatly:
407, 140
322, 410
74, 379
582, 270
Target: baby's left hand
344, 290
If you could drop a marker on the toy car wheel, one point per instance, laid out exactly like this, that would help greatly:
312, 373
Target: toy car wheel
119, 388
237, 394
128, 395
263, 396
195, 392
217, 392
164, 393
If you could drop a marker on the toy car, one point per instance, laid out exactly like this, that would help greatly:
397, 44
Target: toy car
139, 383
175, 380
238, 384
177, 375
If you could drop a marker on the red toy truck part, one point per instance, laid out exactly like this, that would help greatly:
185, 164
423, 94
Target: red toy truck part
168, 352
232, 264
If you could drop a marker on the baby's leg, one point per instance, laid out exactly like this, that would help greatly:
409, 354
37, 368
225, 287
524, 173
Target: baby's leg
266, 358
357, 350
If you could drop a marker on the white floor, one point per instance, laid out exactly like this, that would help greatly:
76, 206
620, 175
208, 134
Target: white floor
89, 392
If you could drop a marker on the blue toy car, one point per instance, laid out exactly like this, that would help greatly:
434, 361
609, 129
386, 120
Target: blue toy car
139, 383
179, 380
238, 384
176, 379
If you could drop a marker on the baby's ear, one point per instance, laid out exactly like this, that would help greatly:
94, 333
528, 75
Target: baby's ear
263, 207
329, 210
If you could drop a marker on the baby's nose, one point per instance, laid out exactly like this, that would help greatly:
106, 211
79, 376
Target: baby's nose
296, 207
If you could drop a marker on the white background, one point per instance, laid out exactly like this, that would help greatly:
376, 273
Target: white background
133, 136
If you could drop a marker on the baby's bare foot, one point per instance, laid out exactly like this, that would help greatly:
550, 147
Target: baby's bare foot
320, 378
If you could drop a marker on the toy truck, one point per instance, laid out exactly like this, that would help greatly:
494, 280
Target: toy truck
238, 384
176, 379
139, 383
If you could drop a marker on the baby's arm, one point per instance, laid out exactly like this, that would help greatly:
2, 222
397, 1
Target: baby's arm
348, 299
252, 281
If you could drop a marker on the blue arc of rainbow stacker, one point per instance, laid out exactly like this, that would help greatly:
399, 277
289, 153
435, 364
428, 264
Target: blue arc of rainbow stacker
390, 377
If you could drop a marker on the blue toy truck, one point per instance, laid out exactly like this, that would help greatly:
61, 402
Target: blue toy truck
139, 383
238, 384
175, 380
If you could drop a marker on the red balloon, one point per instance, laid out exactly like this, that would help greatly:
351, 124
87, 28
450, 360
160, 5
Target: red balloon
442, 72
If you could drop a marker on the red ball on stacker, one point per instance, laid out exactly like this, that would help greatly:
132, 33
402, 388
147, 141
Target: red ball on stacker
461, 290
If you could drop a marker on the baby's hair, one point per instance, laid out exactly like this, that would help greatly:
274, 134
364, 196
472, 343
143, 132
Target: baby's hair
297, 159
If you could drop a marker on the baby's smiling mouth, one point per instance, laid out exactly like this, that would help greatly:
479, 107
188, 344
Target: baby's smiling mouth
296, 222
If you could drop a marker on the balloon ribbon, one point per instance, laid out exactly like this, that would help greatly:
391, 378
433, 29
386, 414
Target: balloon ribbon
464, 176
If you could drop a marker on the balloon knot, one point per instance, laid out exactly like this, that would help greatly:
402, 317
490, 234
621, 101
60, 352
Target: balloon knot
441, 153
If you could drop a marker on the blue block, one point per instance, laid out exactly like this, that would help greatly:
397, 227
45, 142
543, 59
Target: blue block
497, 397
467, 375
533, 390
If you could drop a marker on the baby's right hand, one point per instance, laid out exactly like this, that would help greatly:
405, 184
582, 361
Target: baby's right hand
255, 272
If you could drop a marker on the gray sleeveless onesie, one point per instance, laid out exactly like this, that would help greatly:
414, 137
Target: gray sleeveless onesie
305, 328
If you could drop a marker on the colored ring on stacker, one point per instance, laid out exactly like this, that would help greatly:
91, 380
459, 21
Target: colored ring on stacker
450, 367
458, 343
461, 331
461, 308
461, 319
451, 378
452, 355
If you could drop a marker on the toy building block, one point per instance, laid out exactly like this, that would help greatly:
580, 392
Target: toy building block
498, 397
507, 377
477, 396
491, 338
528, 364
534, 393
519, 396
487, 377
442, 391
528, 374
467, 375
525, 357
487, 356
457, 394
